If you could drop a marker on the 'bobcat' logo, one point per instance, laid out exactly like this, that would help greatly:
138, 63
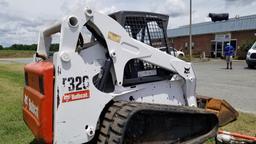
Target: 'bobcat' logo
186, 70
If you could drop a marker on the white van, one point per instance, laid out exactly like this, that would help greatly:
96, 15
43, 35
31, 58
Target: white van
251, 56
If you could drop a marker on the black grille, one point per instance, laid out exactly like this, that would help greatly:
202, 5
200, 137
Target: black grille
253, 55
41, 84
148, 30
26, 78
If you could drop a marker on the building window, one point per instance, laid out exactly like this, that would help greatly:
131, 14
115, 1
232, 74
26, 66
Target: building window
187, 45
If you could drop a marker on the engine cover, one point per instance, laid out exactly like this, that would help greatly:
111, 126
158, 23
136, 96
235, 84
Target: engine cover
38, 100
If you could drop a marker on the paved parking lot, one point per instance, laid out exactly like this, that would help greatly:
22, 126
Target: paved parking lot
237, 86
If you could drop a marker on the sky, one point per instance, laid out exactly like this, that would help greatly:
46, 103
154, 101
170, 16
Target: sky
21, 20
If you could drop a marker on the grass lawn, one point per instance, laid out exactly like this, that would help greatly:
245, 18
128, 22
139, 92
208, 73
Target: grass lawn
246, 124
13, 130
16, 53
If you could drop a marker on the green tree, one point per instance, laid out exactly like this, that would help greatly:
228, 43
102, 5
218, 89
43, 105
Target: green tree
32, 47
22, 47
1, 47
54, 47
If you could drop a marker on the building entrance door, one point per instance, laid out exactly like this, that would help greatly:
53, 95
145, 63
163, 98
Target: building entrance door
213, 47
217, 48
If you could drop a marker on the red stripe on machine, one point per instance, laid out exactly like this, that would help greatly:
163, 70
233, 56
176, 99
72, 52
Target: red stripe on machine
73, 96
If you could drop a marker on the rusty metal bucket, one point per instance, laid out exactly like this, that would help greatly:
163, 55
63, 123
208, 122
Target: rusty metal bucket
224, 111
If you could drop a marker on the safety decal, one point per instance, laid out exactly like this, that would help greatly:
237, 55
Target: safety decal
114, 37
78, 95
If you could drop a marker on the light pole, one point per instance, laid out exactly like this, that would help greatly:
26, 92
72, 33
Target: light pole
190, 31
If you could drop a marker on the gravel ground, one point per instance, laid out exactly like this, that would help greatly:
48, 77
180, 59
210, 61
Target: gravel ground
236, 86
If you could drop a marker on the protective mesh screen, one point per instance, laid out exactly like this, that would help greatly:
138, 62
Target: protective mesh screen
148, 30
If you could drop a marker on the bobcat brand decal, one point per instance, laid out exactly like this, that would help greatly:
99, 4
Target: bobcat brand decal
32, 107
78, 95
77, 87
186, 70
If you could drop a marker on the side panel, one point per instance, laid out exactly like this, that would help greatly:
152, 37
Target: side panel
38, 99
77, 106
161, 92
78, 103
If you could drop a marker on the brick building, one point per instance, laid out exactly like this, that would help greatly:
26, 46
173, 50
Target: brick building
211, 37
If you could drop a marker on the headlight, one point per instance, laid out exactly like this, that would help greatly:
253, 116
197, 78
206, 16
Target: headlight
248, 55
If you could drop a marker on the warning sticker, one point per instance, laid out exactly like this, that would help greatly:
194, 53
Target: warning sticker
73, 96
114, 37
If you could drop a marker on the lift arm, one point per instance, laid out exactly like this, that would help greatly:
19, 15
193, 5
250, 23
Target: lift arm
120, 45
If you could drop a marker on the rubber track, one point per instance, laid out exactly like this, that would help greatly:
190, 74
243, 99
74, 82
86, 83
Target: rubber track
114, 123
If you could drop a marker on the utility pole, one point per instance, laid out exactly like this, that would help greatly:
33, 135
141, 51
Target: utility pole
190, 31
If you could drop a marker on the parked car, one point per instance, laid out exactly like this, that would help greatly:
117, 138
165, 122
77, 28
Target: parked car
174, 52
251, 56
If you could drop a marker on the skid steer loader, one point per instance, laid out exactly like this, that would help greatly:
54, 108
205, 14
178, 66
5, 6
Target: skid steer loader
109, 83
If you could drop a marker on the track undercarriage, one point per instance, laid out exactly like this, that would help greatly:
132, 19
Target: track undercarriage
130, 122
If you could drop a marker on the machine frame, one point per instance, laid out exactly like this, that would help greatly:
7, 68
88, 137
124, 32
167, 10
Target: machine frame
78, 103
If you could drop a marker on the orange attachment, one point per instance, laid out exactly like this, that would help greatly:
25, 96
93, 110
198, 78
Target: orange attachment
224, 111
238, 135
38, 99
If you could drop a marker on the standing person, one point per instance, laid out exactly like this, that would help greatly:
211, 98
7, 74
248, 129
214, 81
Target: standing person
229, 52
